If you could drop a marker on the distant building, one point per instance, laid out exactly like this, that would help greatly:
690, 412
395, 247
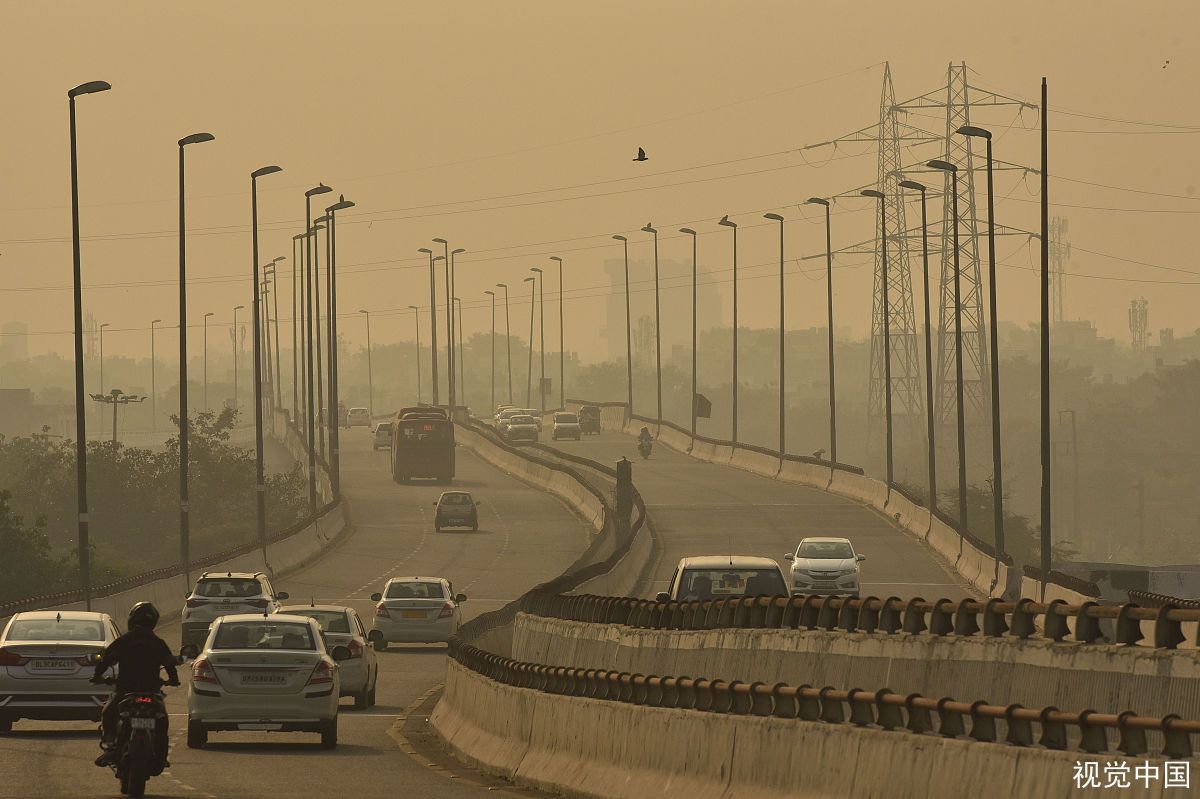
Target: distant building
675, 291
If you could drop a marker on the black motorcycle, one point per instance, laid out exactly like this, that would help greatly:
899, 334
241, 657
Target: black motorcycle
644, 449
141, 741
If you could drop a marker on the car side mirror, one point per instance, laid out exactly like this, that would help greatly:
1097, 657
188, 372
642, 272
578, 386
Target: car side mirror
662, 596
189, 651
340, 653
789, 556
860, 558
374, 635
376, 597
282, 595
460, 598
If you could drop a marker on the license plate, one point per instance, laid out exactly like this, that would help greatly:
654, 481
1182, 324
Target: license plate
42, 664
260, 726
263, 679
142, 724
412, 614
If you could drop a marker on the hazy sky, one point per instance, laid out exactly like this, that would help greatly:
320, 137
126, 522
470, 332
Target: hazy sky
457, 119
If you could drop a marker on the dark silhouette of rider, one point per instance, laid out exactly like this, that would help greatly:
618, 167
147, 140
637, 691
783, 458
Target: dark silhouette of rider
644, 437
138, 656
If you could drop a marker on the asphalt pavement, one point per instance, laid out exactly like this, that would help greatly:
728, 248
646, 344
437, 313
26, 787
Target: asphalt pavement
526, 536
707, 509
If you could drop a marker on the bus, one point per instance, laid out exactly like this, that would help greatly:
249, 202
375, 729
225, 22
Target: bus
422, 444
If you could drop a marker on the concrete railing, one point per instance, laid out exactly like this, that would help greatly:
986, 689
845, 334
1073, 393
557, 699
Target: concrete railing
601, 733
974, 560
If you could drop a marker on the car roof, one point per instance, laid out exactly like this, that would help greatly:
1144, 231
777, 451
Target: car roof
260, 616
522, 416
727, 561
453, 493
352, 410
298, 610
67, 615
417, 580
818, 540
233, 575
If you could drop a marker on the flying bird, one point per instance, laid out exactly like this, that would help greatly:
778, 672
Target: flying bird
641, 156
1164, 66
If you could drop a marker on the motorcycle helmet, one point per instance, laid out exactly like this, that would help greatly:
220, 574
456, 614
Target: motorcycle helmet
143, 615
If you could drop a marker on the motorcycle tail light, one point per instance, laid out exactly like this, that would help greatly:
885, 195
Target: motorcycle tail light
322, 674
143, 700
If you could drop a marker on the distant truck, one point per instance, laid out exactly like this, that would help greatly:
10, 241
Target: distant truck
422, 444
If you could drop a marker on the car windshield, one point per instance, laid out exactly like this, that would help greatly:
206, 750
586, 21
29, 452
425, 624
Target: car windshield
730, 582
566, 418
825, 550
264, 634
228, 587
416, 590
521, 420
52, 630
456, 499
331, 621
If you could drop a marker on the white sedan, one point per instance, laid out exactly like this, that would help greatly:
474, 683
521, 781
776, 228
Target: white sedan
341, 626
264, 674
415, 610
47, 658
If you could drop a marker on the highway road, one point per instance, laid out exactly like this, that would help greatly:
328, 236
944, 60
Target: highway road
526, 536
707, 509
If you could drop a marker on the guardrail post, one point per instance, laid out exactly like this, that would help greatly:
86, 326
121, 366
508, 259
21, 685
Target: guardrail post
1054, 623
791, 613
1020, 731
685, 693
637, 689
1168, 633
810, 611
773, 614
861, 707
652, 692
1176, 743
1022, 618
994, 625
668, 695
848, 615
890, 620
1087, 627
1129, 630
941, 619
704, 694
868, 614
983, 728
808, 703
1092, 739
887, 710
831, 709
1054, 733
786, 706
966, 618
1133, 741
826, 615
914, 616
760, 700
950, 723
725, 696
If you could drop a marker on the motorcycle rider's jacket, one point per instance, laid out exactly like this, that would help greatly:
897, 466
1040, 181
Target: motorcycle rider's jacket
138, 655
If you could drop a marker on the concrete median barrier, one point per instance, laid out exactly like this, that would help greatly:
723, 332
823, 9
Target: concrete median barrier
908, 514
809, 474
674, 439
755, 462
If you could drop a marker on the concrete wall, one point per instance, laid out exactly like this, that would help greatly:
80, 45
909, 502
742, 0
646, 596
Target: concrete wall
594, 748
1033, 673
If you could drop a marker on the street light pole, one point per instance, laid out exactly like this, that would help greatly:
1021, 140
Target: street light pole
887, 334
657, 324
433, 357
102, 356
460, 384
84, 551
460, 361
310, 420
1046, 532
532, 281
628, 330
370, 371
507, 339
319, 224
265, 320
930, 432
184, 511
692, 233
445, 258
210, 313
334, 396
725, 221
260, 487
829, 294
233, 337
492, 294
417, 326
153, 390
946, 166
275, 301
782, 348
562, 364
297, 311
541, 283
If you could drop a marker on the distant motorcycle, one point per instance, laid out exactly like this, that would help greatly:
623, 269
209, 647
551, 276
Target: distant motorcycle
644, 449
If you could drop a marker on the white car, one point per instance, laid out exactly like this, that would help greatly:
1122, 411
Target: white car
219, 594
504, 416
341, 626
264, 673
537, 416
415, 610
358, 417
828, 566
566, 425
47, 658
723, 577
520, 428
382, 436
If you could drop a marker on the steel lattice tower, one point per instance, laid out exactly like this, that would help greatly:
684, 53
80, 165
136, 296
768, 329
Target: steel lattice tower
974, 344
907, 401
1060, 252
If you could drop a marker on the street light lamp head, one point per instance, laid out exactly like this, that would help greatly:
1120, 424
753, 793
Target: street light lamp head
340, 205
878, 195
776, 217
818, 201
530, 279
277, 260
155, 321
91, 87
265, 170
196, 138
441, 241
724, 221
364, 310
912, 184
210, 313
649, 228
425, 250
535, 269
489, 291
104, 325
298, 237
437, 258
972, 130
620, 238
501, 285
944, 166
321, 219
687, 230
460, 249
320, 188
556, 258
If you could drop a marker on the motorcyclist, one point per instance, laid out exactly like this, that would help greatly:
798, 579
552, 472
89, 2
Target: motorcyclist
138, 656
644, 437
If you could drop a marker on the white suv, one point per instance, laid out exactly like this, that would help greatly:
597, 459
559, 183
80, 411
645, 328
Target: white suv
358, 417
566, 425
219, 594
826, 566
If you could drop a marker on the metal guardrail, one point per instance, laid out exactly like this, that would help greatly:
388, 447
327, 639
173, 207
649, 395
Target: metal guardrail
1155, 600
993, 618
1086, 731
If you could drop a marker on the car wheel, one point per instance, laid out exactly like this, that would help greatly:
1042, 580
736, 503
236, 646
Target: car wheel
329, 735
380, 645
437, 528
371, 693
197, 736
475, 527
362, 700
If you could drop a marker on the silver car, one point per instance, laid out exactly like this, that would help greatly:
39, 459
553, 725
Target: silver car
827, 566
47, 658
219, 594
264, 673
415, 610
341, 626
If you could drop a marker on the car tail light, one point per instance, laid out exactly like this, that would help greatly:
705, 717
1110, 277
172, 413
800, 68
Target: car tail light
193, 602
381, 611
258, 603
447, 611
356, 649
12, 659
322, 674
202, 671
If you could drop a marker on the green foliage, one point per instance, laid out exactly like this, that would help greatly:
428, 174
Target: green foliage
28, 566
133, 497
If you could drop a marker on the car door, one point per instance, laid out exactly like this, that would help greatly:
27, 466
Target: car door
368, 650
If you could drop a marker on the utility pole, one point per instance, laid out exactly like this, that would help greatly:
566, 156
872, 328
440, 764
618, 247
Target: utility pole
417, 323
562, 349
1045, 352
